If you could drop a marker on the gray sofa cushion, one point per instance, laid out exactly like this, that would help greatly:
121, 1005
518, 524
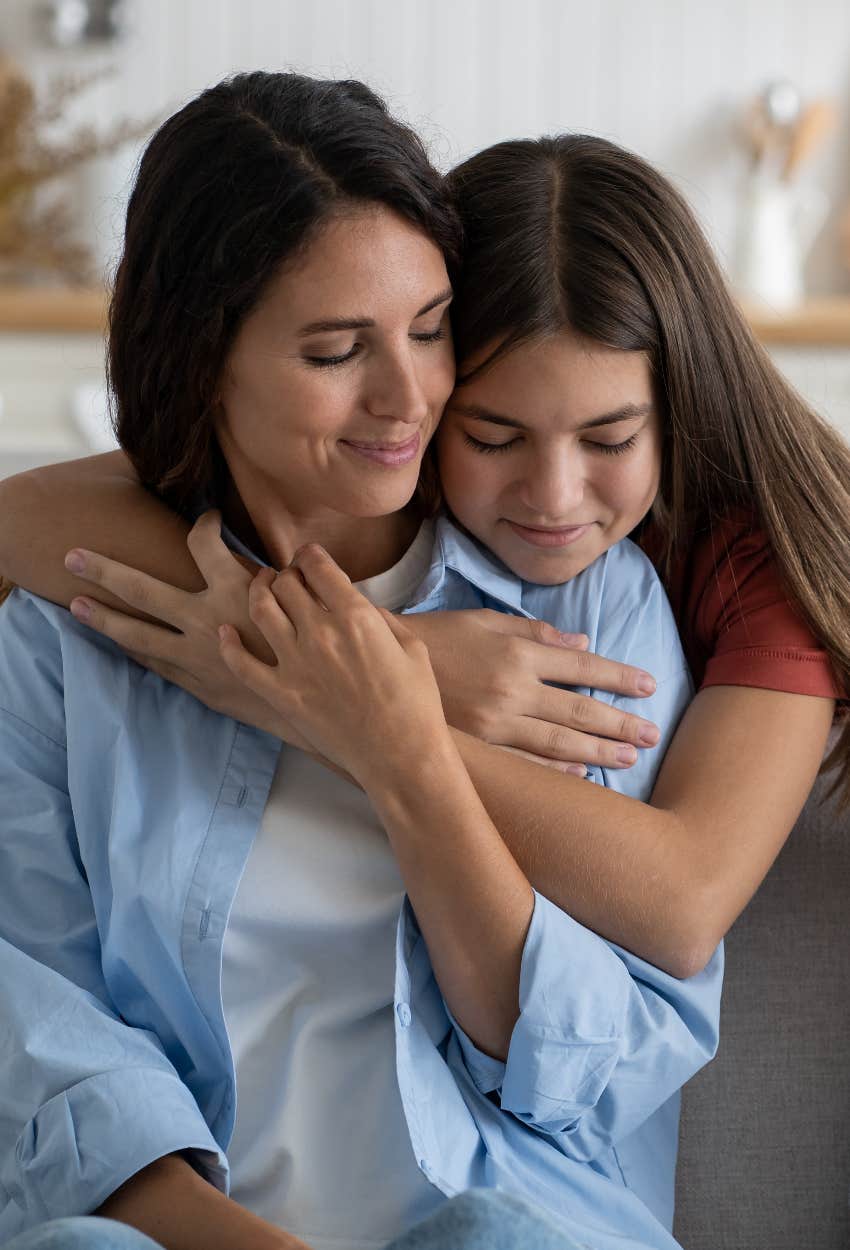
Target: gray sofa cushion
765, 1141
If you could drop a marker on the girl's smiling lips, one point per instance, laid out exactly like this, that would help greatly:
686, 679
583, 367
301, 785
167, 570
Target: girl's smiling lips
392, 454
561, 537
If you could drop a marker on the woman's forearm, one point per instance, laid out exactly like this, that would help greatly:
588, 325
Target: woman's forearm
175, 1206
471, 900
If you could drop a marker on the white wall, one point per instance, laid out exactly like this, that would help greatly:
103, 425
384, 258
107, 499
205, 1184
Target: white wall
665, 77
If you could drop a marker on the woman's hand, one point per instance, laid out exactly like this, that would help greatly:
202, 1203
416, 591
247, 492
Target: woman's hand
358, 683
188, 652
492, 669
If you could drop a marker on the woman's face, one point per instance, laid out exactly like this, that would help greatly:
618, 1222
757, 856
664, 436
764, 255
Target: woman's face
337, 380
552, 454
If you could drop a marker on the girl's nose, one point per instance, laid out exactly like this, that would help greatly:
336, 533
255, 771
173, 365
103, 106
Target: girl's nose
553, 490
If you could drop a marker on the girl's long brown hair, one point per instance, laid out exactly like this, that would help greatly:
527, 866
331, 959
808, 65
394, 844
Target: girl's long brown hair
573, 231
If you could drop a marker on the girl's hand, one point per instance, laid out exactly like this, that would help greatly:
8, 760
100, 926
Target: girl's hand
359, 685
188, 653
491, 669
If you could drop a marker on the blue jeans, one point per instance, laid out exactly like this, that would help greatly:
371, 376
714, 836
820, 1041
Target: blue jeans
480, 1219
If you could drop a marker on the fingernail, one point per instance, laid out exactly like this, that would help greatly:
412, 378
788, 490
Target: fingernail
572, 640
75, 562
222, 633
626, 755
646, 684
578, 770
649, 735
81, 609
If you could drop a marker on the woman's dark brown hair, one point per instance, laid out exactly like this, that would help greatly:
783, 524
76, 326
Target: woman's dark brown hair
228, 189
573, 231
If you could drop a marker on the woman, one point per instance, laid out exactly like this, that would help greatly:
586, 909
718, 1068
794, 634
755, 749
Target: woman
272, 216
749, 530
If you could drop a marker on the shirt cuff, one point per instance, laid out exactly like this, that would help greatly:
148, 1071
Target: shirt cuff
568, 1037
88, 1140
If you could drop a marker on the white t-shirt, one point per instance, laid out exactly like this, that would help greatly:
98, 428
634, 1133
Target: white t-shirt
321, 1146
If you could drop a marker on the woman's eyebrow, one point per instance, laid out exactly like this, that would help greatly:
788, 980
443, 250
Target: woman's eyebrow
360, 323
628, 412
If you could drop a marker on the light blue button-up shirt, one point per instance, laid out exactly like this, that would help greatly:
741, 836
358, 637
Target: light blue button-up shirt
128, 812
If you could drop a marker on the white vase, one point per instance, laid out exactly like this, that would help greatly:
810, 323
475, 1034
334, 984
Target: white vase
778, 225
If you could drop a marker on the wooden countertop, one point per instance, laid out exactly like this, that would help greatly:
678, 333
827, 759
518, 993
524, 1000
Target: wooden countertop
52, 310
821, 322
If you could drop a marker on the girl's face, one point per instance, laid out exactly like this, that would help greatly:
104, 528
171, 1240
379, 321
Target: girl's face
552, 454
336, 382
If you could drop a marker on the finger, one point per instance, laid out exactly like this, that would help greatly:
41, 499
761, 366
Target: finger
138, 590
398, 629
259, 677
214, 559
132, 635
323, 576
530, 628
592, 716
577, 770
569, 745
268, 615
569, 667
295, 599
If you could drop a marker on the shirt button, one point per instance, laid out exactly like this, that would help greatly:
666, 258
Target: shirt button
404, 1016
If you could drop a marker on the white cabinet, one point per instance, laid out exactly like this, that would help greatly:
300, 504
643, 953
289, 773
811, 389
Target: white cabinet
52, 398
822, 376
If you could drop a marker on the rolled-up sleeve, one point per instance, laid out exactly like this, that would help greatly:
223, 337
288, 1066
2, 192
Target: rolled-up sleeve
86, 1100
603, 1038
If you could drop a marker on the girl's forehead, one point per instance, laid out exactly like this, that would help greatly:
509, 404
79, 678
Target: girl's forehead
558, 382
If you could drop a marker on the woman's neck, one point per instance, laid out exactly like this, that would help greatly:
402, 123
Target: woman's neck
361, 546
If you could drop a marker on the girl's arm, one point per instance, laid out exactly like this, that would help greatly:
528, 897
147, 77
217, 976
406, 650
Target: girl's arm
664, 880
668, 878
96, 500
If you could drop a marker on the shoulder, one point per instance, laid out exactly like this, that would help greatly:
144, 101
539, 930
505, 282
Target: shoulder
739, 625
43, 649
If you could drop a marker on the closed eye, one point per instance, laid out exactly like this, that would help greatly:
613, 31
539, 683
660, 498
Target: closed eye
487, 447
328, 362
616, 449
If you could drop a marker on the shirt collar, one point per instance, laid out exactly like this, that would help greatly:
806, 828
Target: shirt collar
455, 550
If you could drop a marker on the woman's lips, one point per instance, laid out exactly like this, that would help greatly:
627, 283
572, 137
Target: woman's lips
392, 454
549, 538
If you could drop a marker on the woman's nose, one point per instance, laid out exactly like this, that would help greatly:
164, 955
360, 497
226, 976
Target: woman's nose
396, 390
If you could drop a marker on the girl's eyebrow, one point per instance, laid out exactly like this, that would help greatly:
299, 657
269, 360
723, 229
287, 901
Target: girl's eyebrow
628, 412
360, 323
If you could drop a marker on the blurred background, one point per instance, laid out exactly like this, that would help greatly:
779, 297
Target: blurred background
745, 104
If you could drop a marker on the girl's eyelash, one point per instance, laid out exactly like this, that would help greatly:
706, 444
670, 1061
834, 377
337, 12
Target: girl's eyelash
486, 447
329, 362
616, 449
608, 449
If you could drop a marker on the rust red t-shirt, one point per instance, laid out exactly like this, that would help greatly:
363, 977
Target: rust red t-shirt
735, 621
